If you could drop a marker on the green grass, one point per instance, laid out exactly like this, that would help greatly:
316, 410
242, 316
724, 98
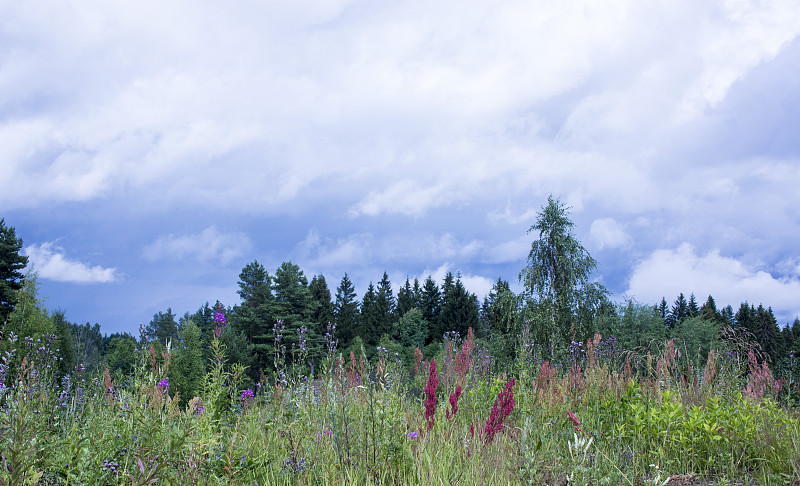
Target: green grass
333, 430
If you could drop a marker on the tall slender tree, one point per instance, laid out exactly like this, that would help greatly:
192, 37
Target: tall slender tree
345, 312
557, 270
431, 307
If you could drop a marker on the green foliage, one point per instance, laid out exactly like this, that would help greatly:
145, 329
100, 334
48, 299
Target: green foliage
162, 327
345, 312
12, 262
557, 273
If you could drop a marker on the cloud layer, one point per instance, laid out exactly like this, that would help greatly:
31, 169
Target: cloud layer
406, 136
49, 262
666, 272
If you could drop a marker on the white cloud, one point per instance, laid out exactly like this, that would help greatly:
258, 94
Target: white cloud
209, 246
666, 273
476, 284
608, 233
49, 262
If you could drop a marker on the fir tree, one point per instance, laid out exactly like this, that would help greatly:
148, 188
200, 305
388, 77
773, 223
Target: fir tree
345, 312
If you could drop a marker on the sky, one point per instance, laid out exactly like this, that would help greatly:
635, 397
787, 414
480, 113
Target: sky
150, 150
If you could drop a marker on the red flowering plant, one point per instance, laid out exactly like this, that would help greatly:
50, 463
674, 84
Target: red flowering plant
430, 395
502, 408
454, 402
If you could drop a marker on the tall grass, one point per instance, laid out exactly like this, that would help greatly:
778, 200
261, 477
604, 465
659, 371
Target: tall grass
603, 418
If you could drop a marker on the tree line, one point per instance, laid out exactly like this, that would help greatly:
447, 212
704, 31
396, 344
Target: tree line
284, 314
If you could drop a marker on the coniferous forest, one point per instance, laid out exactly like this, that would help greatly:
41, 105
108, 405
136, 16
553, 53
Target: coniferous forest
416, 382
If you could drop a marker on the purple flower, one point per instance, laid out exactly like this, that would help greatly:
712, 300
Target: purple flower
164, 383
219, 315
412, 435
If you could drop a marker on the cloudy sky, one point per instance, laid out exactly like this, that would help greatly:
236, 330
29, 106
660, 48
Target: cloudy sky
150, 150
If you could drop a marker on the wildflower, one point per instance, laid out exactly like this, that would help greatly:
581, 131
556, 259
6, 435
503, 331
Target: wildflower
412, 435
576, 423
454, 401
164, 384
503, 406
247, 397
430, 395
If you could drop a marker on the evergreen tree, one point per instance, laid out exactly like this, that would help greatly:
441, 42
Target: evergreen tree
386, 306
254, 317
431, 307
728, 316
187, 369
162, 327
345, 312
709, 311
692, 310
11, 265
295, 306
322, 294
405, 299
119, 354
417, 291
663, 310
745, 318
369, 318
411, 329
767, 333
459, 308
679, 311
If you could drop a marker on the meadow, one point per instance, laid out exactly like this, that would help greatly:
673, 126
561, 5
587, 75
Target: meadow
603, 417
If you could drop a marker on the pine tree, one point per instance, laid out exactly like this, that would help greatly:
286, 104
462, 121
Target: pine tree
163, 327
11, 265
345, 312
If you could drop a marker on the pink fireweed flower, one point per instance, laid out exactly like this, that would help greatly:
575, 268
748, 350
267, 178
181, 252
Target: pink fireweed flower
430, 395
454, 402
502, 408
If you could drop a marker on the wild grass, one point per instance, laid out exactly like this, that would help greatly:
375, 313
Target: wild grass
600, 419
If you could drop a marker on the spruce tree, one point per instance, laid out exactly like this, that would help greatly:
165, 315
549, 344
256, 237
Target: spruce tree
369, 318
295, 306
431, 307
386, 306
322, 294
12, 262
405, 300
345, 312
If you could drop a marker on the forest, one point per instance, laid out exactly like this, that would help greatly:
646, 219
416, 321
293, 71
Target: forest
296, 384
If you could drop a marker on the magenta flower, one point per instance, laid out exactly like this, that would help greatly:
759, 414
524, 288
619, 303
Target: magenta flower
430, 395
502, 408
